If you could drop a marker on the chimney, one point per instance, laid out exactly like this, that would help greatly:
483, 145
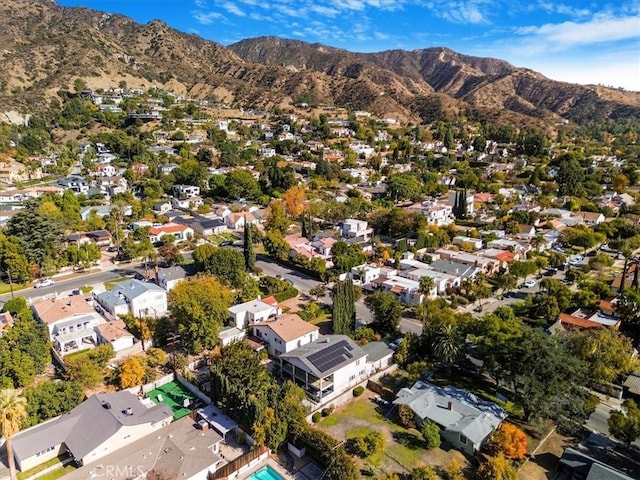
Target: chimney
450, 405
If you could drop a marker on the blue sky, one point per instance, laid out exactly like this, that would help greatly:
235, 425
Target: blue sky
581, 41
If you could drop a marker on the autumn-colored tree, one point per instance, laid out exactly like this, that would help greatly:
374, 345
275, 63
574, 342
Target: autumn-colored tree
509, 440
294, 200
276, 217
406, 417
454, 470
497, 468
620, 183
132, 373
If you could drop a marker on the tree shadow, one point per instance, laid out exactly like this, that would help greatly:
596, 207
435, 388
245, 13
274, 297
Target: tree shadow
409, 440
548, 461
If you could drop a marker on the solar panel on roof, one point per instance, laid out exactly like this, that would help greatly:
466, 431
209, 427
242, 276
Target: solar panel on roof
331, 356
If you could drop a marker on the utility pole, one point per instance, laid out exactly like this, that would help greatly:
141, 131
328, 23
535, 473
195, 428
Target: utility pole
10, 282
172, 340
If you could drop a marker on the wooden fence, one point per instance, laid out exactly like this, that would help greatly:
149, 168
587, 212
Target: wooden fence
230, 470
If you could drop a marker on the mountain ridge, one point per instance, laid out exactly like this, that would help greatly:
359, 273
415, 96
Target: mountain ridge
47, 46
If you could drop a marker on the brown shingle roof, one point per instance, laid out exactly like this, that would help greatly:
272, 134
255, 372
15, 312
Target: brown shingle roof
50, 311
112, 331
290, 326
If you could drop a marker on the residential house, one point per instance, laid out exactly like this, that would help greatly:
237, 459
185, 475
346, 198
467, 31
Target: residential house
184, 450
187, 203
352, 228
180, 232
437, 213
75, 183
379, 356
161, 207
70, 321
101, 238
236, 221
168, 168
575, 464
325, 368
364, 274
254, 311
6, 322
209, 226
102, 211
169, 277
583, 319
140, 169
405, 290
13, 172
116, 334
142, 299
228, 335
590, 219
526, 232
465, 421
285, 333
186, 191
467, 243
484, 264
23, 194
451, 267
102, 424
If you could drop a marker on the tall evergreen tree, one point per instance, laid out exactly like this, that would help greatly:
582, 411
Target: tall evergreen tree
249, 254
460, 204
344, 309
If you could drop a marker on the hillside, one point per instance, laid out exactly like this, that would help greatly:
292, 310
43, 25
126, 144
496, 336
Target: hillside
46, 47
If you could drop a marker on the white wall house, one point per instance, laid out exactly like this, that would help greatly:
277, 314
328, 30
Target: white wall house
285, 333
352, 228
254, 311
142, 299
325, 368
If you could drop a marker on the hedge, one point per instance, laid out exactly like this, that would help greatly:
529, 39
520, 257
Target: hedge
359, 390
286, 295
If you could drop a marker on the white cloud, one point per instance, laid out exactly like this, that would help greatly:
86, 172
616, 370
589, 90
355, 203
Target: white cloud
462, 12
562, 9
207, 18
201, 4
562, 36
233, 9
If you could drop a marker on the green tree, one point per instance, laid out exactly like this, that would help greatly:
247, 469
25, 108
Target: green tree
448, 344
606, 351
50, 399
431, 434
249, 253
624, 424
343, 314
199, 307
13, 411
369, 444
276, 219
569, 177
275, 245
241, 184
424, 473
386, 310
228, 264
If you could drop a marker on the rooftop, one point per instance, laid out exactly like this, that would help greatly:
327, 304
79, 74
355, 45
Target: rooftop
290, 326
51, 310
326, 355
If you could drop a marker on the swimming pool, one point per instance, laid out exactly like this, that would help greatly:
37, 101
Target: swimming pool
266, 473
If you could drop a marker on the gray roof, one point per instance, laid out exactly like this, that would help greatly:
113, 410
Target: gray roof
453, 409
326, 355
587, 467
211, 223
134, 288
88, 425
376, 351
453, 268
632, 383
179, 450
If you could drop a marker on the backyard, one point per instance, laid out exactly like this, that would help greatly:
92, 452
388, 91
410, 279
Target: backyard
404, 449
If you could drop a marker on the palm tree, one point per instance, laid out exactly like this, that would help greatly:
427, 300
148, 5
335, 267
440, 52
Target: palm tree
426, 286
447, 344
13, 410
537, 242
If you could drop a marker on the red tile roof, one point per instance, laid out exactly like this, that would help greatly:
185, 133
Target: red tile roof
583, 323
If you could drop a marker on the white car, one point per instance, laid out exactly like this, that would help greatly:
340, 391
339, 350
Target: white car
530, 283
576, 260
47, 282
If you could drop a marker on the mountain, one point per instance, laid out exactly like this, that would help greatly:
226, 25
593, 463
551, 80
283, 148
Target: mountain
46, 47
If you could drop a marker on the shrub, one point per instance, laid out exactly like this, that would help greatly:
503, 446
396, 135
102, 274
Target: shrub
369, 444
359, 390
510, 441
326, 411
405, 417
431, 434
316, 417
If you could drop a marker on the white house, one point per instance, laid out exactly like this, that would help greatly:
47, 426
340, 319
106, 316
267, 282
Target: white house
236, 221
254, 311
325, 368
71, 322
228, 335
467, 242
364, 274
352, 228
142, 299
285, 333
116, 334
186, 191
465, 421
181, 232
100, 425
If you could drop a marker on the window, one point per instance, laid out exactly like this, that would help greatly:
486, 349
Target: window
46, 450
278, 352
352, 378
463, 439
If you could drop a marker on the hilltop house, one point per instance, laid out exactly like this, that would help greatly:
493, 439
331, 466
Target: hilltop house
100, 425
465, 421
142, 299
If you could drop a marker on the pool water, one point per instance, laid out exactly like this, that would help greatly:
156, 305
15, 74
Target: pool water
266, 473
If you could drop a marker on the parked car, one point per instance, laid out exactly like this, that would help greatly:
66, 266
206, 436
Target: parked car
529, 283
226, 243
47, 282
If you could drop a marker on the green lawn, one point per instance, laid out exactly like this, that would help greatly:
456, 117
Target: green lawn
57, 473
60, 472
362, 410
110, 284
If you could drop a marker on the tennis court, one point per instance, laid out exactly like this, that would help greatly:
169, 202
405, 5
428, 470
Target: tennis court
180, 400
